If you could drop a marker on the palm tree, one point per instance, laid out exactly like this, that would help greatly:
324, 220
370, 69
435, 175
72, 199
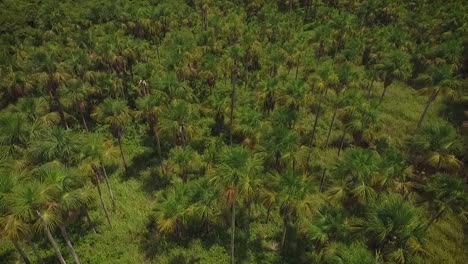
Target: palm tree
51, 76
14, 134
444, 193
394, 227
358, 176
97, 153
179, 120
395, 65
328, 226
150, 108
56, 144
280, 143
356, 253
297, 198
75, 95
116, 114
15, 229
236, 166
173, 209
441, 80
27, 200
183, 161
206, 207
437, 147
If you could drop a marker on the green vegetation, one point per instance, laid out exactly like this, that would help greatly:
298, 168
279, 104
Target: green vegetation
214, 131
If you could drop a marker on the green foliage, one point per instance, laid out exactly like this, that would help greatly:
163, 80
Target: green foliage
242, 131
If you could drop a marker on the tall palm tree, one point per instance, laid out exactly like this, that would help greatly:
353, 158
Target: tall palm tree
444, 193
14, 134
438, 147
75, 97
51, 76
280, 143
173, 209
28, 200
358, 176
150, 108
441, 80
15, 229
206, 207
356, 253
179, 121
97, 153
116, 114
394, 227
56, 144
395, 65
183, 161
297, 198
236, 164
328, 226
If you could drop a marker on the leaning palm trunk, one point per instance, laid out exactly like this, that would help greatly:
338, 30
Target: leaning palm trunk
322, 179
233, 230
102, 200
426, 108
231, 115
51, 238
317, 111
21, 252
331, 127
342, 141
69, 244
85, 125
283, 237
434, 218
106, 179
158, 145
122, 155
88, 218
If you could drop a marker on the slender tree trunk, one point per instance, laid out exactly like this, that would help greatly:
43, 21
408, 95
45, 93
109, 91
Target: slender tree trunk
122, 154
322, 179
283, 237
108, 186
102, 200
88, 218
158, 142
370, 88
34, 249
426, 108
297, 69
249, 209
84, 122
62, 113
434, 218
331, 127
383, 94
233, 91
342, 141
51, 238
233, 230
69, 244
158, 145
21, 252
317, 112
157, 53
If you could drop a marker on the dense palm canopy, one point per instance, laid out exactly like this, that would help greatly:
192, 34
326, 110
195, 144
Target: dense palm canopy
289, 131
